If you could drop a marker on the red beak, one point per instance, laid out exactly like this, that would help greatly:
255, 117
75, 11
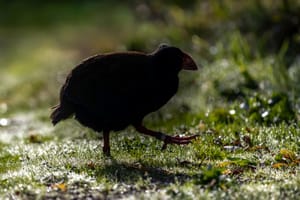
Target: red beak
188, 63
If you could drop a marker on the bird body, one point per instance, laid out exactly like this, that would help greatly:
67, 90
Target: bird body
109, 92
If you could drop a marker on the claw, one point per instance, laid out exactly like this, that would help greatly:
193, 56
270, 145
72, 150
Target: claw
166, 138
177, 140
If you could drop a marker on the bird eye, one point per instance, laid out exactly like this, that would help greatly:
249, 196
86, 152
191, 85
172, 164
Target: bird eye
163, 45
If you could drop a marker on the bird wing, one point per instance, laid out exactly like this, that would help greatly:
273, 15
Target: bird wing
109, 85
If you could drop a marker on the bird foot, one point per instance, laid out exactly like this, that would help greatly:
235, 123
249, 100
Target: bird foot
177, 140
166, 138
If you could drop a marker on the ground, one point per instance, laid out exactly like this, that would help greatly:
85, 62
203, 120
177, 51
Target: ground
243, 103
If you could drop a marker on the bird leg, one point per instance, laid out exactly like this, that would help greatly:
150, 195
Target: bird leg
106, 146
166, 138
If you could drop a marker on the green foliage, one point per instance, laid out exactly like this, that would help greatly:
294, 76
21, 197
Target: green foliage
8, 161
220, 115
210, 176
241, 162
259, 108
205, 149
274, 109
286, 156
243, 103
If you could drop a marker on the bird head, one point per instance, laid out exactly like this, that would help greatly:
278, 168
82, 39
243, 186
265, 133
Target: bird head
173, 58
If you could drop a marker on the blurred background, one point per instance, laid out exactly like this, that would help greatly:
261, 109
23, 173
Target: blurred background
249, 51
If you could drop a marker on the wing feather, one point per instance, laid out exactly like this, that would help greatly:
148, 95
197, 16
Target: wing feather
109, 85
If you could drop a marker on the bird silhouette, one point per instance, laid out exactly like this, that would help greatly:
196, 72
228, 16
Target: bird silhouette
109, 92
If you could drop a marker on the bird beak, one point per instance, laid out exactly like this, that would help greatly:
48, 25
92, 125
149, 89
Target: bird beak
188, 63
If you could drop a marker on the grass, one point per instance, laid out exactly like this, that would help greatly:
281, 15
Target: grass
244, 104
220, 162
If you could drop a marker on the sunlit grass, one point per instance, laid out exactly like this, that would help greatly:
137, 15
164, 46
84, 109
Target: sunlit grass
67, 160
243, 103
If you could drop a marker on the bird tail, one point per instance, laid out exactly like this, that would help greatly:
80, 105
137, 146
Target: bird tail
61, 112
